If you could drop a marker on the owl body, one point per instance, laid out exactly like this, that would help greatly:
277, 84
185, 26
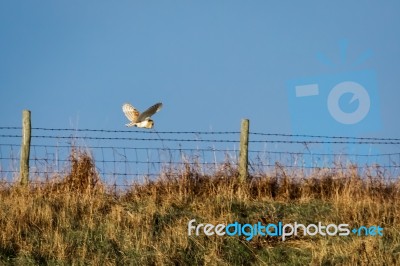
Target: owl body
144, 124
141, 120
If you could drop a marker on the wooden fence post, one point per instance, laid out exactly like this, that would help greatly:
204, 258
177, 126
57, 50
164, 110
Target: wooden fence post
243, 153
25, 147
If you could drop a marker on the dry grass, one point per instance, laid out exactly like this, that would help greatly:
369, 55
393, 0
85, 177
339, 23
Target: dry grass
76, 221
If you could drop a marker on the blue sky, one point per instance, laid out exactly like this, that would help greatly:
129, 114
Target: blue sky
212, 63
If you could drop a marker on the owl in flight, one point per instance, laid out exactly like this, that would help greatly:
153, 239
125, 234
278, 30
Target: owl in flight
140, 119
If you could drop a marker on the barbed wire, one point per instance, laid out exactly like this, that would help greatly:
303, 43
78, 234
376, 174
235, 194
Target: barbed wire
140, 139
128, 131
209, 149
207, 133
322, 136
389, 142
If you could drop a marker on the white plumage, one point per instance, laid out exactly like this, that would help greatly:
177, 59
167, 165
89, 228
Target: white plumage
138, 119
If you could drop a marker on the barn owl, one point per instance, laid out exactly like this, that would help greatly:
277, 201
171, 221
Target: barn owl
140, 119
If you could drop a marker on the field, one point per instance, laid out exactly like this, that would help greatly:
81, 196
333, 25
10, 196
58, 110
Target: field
75, 219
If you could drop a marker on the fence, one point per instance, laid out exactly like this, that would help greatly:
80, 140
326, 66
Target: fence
126, 156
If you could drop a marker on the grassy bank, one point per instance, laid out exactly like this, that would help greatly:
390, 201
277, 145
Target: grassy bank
75, 219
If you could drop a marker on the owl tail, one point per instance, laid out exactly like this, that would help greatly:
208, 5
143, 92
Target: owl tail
131, 124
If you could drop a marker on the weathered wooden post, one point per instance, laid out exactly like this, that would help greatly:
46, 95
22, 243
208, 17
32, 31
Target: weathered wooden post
25, 147
243, 153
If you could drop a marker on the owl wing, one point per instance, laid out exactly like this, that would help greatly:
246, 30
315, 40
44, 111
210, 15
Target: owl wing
149, 112
130, 112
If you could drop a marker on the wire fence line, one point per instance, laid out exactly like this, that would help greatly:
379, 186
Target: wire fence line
206, 133
125, 156
365, 141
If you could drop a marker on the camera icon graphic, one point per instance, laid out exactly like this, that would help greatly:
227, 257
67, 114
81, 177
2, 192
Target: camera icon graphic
344, 104
338, 104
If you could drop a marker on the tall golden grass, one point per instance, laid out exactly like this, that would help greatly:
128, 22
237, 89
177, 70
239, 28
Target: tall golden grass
76, 219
